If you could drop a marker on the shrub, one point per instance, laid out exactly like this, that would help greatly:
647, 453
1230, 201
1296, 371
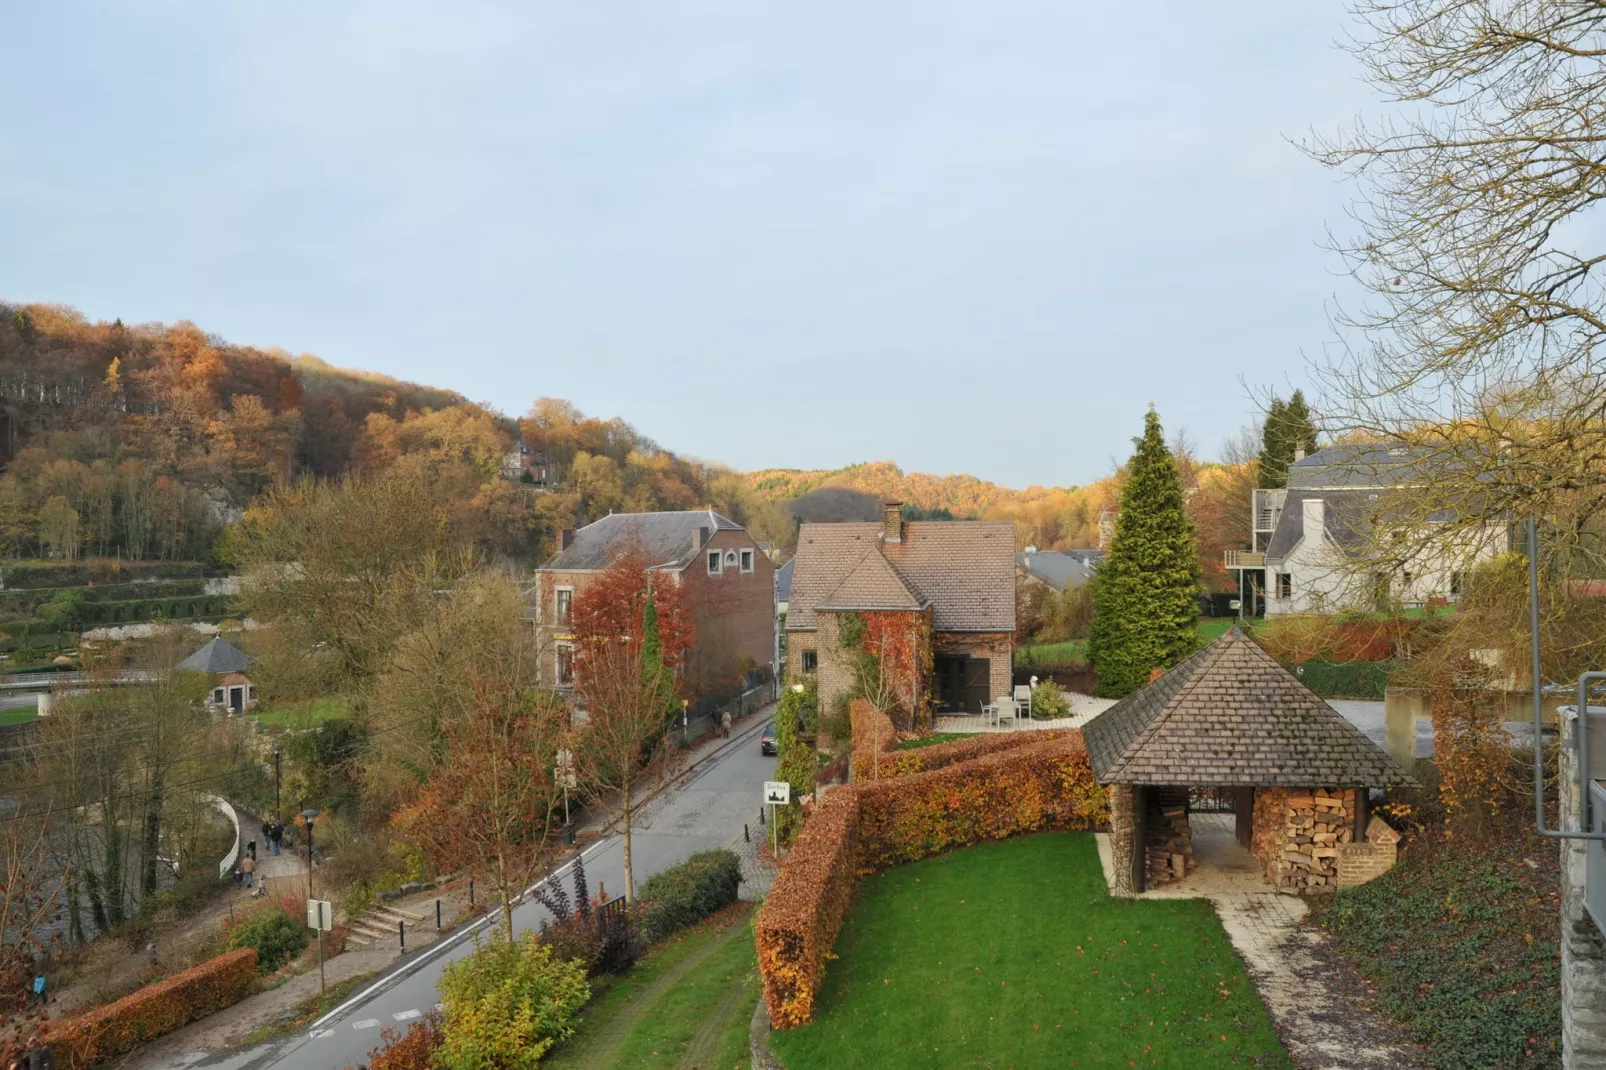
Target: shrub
919, 759
1049, 702
574, 932
1357, 679
506, 1004
1044, 785
685, 894
802, 707
800, 919
276, 937
157, 1009
873, 734
411, 1050
837, 725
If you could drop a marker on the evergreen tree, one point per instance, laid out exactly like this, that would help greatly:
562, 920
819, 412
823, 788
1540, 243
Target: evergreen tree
652, 657
1145, 596
1288, 428
1301, 426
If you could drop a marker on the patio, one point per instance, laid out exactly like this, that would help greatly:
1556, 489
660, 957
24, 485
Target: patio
1083, 709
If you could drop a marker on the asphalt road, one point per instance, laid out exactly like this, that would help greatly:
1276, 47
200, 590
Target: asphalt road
704, 813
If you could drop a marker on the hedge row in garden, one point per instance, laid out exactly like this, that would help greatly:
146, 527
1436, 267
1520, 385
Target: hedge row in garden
1345, 679
873, 734
1042, 785
181, 607
799, 921
1042, 781
36, 573
157, 1009
904, 762
684, 895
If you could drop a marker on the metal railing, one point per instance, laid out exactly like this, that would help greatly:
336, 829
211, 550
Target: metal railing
1245, 559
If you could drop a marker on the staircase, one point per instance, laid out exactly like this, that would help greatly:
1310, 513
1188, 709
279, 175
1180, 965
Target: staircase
377, 926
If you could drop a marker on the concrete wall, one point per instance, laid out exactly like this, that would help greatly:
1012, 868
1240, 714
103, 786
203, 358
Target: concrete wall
1583, 947
1404, 706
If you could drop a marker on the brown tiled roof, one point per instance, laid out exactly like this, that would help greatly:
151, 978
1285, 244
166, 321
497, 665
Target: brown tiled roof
873, 584
1231, 715
964, 568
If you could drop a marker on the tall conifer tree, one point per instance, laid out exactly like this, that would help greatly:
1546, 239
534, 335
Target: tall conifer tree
1288, 428
1145, 596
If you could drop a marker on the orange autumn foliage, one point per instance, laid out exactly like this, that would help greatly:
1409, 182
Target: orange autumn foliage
613, 606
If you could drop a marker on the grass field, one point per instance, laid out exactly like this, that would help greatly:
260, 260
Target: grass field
1012, 954
19, 715
309, 714
686, 1004
933, 739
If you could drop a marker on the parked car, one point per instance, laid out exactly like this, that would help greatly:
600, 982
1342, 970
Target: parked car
766, 742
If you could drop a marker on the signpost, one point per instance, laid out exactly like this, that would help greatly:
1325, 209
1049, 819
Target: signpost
320, 916
569, 781
776, 793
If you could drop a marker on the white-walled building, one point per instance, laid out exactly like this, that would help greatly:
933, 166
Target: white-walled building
1316, 542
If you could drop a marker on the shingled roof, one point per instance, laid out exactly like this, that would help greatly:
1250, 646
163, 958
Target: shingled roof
965, 570
1231, 715
217, 656
669, 539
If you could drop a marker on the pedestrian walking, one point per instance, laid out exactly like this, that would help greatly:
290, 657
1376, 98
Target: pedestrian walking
251, 850
725, 723
248, 866
276, 835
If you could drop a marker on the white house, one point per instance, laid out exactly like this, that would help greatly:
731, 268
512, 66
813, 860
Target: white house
1316, 547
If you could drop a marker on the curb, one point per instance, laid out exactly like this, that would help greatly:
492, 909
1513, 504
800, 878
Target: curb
758, 1039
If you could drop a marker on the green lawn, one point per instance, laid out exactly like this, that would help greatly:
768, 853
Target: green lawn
19, 715
687, 1003
1012, 954
309, 714
1070, 652
934, 739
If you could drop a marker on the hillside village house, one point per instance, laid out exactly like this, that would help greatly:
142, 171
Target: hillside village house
941, 591
1058, 570
728, 588
1315, 541
225, 663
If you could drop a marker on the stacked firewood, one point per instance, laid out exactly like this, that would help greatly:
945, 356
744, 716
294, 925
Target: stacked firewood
1168, 837
1316, 823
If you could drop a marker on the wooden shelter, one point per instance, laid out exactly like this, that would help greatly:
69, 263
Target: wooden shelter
1231, 729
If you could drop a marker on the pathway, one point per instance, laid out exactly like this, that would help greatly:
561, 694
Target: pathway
1326, 1020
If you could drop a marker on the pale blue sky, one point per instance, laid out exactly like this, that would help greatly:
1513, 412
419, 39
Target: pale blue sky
961, 236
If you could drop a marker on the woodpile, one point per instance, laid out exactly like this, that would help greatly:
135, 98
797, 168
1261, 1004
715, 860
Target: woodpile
1167, 837
1315, 824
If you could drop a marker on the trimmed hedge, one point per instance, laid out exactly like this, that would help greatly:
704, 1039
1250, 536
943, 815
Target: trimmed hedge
38, 573
1042, 785
904, 762
136, 610
870, 726
1345, 679
684, 895
799, 921
157, 1009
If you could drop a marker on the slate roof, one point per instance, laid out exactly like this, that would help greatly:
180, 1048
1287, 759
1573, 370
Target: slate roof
1058, 570
666, 538
783, 581
217, 656
964, 568
1376, 464
1351, 516
1231, 715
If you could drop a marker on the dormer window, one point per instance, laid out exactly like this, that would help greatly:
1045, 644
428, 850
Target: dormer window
714, 558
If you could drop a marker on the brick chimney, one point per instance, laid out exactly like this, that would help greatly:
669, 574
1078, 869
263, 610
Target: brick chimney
565, 538
892, 521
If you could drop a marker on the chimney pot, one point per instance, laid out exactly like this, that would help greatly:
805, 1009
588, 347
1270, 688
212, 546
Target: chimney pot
1314, 520
565, 538
1299, 454
892, 522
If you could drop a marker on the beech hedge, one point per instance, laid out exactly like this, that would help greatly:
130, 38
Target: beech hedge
118, 1028
904, 762
799, 921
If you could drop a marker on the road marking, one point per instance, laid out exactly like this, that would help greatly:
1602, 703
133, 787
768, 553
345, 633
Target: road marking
366, 1023
319, 1033
402, 1016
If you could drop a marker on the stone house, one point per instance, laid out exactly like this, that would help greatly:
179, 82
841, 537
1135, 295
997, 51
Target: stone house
727, 585
941, 591
1230, 725
1315, 541
225, 663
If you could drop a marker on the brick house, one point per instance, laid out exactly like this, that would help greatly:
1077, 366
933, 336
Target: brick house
947, 587
728, 588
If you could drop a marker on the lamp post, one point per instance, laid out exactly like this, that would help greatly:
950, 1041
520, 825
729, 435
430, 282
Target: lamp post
309, 816
685, 728
278, 752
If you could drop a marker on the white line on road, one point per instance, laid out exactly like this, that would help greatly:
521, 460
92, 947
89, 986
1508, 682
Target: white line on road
366, 1023
402, 1016
318, 1033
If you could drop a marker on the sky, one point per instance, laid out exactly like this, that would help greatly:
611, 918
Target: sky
965, 237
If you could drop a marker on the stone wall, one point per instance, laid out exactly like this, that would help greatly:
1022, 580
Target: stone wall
1122, 826
1361, 862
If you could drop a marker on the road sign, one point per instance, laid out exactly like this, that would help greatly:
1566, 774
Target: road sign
778, 792
567, 778
320, 914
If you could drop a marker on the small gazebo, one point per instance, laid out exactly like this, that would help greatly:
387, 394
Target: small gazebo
226, 664
1231, 729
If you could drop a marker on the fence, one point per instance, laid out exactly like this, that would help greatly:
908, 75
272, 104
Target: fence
610, 915
703, 717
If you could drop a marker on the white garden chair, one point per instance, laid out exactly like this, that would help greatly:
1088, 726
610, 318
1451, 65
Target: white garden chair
1023, 700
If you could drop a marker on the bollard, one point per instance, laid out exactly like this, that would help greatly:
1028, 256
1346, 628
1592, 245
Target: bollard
437, 915
471, 893
761, 816
401, 930
745, 837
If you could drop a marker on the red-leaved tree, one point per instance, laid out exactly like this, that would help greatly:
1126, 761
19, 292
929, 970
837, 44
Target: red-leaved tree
613, 607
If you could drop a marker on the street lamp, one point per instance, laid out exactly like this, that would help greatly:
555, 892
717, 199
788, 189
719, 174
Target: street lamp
278, 752
309, 816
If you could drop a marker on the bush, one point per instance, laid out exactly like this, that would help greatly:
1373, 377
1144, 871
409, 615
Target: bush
802, 707
799, 921
1029, 788
684, 895
411, 1050
919, 759
1357, 679
276, 937
1049, 702
118, 1028
837, 725
506, 1004
574, 932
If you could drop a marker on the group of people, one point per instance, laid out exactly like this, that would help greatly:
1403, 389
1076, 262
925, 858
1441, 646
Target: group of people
245, 869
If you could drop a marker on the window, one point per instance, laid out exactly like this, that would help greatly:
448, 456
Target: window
713, 562
1285, 585
1455, 584
564, 596
747, 560
217, 696
811, 660
565, 664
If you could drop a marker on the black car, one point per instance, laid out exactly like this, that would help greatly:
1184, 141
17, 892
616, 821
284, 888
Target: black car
766, 742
